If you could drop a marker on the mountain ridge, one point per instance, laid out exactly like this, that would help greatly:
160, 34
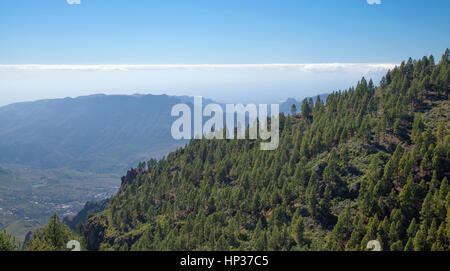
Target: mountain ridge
367, 165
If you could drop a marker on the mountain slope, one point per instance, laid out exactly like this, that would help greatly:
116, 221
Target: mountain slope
64, 152
93, 133
372, 163
61, 153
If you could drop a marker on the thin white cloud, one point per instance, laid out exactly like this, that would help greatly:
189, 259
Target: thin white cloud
374, 2
74, 2
314, 67
235, 83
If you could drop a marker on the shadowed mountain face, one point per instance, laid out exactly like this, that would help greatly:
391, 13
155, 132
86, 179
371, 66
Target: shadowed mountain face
98, 133
95, 133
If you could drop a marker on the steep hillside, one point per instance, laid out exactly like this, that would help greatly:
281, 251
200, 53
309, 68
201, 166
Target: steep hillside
91, 207
372, 163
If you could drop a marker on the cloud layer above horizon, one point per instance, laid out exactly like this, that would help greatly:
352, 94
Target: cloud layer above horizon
237, 83
129, 67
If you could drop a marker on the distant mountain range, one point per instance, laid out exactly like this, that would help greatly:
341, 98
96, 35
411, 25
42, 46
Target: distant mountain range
98, 133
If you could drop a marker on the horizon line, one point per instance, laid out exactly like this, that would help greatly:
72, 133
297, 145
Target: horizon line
304, 66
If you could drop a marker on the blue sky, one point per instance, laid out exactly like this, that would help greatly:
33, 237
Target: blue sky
242, 31
209, 32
